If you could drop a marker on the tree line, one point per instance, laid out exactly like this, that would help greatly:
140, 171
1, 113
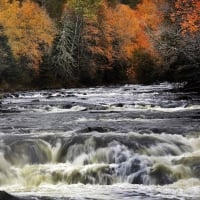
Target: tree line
68, 43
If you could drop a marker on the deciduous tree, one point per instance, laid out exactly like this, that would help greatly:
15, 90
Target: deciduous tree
29, 29
188, 12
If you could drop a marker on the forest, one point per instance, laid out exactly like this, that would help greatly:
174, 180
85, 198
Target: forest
76, 43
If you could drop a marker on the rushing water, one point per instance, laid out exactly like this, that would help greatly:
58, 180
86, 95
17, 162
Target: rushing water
105, 143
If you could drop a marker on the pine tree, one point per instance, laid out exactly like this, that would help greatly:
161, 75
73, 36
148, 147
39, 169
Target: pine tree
66, 46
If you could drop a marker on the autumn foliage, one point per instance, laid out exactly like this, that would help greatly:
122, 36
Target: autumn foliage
131, 26
189, 13
123, 30
29, 30
69, 42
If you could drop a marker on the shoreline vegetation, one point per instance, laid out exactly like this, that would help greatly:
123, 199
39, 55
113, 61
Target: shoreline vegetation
52, 44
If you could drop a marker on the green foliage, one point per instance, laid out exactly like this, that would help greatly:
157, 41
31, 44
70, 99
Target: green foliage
119, 71
146, 69
54, 8
46, 78
86, 8
6, 58
11, 73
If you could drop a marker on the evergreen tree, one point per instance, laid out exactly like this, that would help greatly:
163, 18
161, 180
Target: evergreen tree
6, 59
65, 48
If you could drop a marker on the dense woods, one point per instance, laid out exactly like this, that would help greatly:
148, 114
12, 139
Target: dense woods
67, 43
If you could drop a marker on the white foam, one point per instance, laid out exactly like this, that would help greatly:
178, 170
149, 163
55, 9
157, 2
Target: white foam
54, 109
151, 108
109, 192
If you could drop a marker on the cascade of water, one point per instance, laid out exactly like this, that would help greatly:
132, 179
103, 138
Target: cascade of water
101, 159
107, 143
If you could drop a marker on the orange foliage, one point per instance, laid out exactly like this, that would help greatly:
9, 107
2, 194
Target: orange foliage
28, 28
128, 27
189, 12
148, 14
119, 31
120, 28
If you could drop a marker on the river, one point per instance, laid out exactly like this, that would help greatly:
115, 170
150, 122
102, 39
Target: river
103, 143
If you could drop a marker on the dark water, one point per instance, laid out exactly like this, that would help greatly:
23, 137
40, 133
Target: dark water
123, 142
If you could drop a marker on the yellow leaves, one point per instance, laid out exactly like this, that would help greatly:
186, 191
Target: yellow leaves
28, 28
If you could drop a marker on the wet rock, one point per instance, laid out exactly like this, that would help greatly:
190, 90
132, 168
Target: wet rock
7, 95
126, 89
156, 130
67, 106
59, 95
49, 97
184, 97
97, 129
193, 86
5, 196
12, 110
16, 95
119, 105
71, 95
36, 100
